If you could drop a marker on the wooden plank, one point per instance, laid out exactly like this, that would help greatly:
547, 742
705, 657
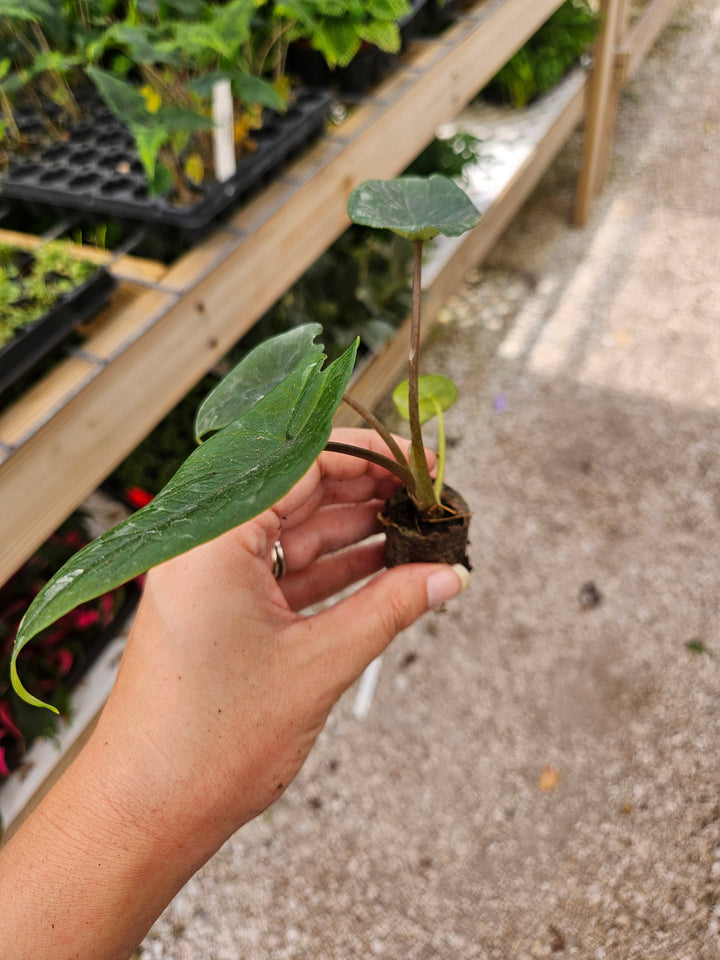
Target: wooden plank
125, 266
643, 34
128, 324
200, 261
606, 135
599, 98
379, 377
42, 400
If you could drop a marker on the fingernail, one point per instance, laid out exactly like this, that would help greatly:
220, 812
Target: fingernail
447, 583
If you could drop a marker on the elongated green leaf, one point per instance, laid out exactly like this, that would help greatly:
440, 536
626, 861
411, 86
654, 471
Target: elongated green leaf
124, 100
418, 208
241, 471
434, 392
244, 85
256, 375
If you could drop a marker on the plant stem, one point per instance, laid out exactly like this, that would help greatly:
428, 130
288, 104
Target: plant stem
379, 427
379, 458
440, 467
424, 496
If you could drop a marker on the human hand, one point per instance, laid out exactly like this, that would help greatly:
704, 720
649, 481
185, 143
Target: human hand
223, 682
222, 690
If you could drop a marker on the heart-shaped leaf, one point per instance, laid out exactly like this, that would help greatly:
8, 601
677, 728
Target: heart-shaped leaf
434, 393
418, 208
240, 471
256, 375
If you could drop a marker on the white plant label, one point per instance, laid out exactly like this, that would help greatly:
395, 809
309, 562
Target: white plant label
223, 133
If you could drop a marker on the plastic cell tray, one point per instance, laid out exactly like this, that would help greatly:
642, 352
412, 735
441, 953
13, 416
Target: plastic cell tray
97, 170
32, 342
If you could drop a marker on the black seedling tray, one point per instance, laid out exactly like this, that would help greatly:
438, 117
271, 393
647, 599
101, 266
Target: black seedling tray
33, 341
97, 169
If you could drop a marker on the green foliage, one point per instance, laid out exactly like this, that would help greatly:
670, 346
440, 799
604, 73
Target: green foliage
269, 421
243, 469
338, 28
417, 208
547, 56
255, 376
435, 395
153, 63
31, 282
445, 155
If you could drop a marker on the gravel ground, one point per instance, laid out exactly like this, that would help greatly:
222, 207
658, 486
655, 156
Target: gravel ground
538, 773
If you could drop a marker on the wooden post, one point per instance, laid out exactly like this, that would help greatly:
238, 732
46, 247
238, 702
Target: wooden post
601, 105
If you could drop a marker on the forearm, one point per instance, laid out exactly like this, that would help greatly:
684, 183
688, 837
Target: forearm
95, 864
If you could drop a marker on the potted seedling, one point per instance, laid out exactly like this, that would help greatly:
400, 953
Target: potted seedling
267, 421
44, 294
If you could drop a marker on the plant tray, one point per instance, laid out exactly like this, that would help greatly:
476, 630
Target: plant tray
32, 342
97, 169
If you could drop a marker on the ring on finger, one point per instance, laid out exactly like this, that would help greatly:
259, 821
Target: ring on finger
279, 563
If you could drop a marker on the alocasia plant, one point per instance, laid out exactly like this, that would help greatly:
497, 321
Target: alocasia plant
266, 423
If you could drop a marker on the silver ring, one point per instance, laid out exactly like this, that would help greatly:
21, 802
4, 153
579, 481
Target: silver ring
279, 563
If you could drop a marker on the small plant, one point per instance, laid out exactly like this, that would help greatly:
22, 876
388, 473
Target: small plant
31, 282
154, 64
338, 28
547, 56
266, 422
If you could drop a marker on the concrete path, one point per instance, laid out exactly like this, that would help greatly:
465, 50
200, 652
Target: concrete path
537, 773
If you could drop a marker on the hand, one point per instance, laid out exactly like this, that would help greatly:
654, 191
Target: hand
224, 683
222, 690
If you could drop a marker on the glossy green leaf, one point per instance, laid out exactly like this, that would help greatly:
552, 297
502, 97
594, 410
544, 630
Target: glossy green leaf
434, 393
418, 208
241, 471
256, 375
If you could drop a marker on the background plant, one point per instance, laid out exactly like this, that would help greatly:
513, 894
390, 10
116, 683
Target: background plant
338, 28
42, 46
547, 56
153, 63
32, 281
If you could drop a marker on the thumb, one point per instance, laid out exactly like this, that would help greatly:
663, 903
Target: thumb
361, 626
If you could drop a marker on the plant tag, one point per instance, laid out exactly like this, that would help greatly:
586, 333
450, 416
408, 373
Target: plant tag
223, 133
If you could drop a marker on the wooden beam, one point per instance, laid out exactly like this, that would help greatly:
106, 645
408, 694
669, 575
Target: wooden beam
599, 100
615, 87
127, 266
641, 37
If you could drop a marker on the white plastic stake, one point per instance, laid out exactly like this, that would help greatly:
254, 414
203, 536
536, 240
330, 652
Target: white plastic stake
223, 132
366, 689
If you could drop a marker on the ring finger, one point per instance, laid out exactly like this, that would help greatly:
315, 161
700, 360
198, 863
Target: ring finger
330, 528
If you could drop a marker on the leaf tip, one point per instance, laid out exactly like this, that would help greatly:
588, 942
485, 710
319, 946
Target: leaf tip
23, 693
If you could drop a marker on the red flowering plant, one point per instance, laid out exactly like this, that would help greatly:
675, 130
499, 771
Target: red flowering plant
64, 651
